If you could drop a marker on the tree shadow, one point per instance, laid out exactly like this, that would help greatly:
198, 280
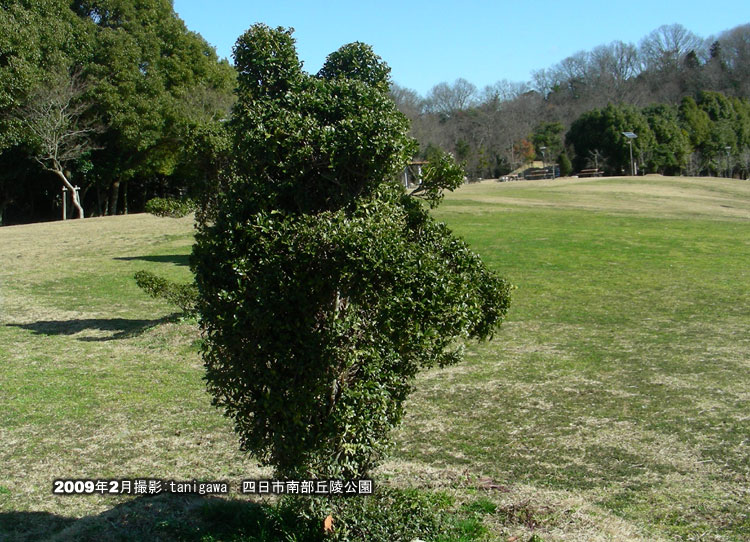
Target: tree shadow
396, 514
120, 328
23, 526
177, 259
163, 517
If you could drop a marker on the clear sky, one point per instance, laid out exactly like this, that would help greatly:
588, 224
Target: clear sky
428, 42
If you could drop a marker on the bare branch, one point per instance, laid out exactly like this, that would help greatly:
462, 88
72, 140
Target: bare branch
57, 123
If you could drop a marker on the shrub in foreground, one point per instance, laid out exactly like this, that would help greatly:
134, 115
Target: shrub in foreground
388, 515
181, 295
324, 287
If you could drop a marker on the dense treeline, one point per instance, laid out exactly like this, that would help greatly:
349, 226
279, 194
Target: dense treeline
120, 99
684, 96
115, 97
709, 135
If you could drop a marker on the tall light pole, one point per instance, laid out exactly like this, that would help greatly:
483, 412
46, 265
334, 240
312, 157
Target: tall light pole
631, 136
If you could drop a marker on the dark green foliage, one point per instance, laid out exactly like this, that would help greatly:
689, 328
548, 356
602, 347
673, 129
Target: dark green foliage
440, 167
357, 61
324, 288
389, 514
714, 123
151, 87
154, 82
170, 207
183, 296
601, 130
566, 168
725, 130
207, 167
341, 309
36, 40
671, 140
670, 152
310, 143
697, 123
548, 135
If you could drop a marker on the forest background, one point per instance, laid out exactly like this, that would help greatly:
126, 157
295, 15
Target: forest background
124, 102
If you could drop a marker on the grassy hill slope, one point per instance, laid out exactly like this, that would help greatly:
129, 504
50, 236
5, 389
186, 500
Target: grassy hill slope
613, 404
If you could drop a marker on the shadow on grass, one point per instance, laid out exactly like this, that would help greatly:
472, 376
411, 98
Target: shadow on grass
120, 328
164, 517
23, 526
382, 517
177, 259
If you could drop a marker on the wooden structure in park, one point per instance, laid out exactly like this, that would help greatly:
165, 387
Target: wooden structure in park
413, 173
547, 172
595, 172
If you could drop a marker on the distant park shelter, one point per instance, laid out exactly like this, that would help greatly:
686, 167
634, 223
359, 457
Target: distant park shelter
413, 173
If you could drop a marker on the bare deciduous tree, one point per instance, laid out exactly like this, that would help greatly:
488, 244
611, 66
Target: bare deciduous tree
448, 98
735, 47
57, 127
502, 91
545, 80
613, 66
665, 47
407, 101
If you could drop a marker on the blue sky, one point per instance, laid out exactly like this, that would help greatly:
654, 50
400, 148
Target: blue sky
426, 43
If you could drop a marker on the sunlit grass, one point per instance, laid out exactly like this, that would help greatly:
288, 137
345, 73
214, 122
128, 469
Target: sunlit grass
612, 405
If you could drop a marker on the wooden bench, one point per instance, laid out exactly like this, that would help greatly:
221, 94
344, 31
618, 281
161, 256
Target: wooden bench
590, 173
537, 173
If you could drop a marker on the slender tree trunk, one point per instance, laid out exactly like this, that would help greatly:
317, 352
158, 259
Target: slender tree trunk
114, 194
98, 200
74, 194
125, 197
3, 206
85, 191
105, 204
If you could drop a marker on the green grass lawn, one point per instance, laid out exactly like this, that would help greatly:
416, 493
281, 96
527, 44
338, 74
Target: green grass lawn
614, 404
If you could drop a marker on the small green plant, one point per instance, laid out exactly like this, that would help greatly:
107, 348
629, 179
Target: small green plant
182, 295
170, 207
387, 515
469, 528
566, 168
481, 506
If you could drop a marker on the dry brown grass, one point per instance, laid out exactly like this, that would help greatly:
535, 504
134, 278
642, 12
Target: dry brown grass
611, 407
651, 195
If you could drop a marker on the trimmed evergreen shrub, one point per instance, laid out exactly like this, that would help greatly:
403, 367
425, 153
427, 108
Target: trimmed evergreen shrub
170, 207
323, 286
183, 296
